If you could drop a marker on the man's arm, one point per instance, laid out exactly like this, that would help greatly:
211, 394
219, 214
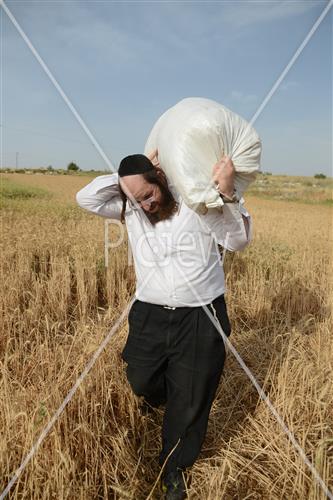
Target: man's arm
101, 196
233, 228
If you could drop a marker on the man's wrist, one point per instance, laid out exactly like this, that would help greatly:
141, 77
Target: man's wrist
228, 196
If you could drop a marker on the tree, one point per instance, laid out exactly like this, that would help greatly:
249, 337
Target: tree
320, 176
72, 167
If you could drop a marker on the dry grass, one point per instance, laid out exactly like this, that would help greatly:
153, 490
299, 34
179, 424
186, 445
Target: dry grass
59, 303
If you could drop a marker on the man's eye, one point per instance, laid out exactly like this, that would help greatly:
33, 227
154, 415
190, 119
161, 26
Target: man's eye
147, 196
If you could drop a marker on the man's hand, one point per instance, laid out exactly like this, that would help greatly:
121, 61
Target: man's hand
153, 157
224, 176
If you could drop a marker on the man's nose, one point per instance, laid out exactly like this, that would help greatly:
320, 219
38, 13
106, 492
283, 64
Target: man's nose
146, 205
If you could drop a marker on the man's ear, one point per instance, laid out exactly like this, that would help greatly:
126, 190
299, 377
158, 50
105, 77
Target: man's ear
122, 187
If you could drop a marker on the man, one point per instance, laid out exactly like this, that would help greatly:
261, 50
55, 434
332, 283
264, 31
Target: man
174, 353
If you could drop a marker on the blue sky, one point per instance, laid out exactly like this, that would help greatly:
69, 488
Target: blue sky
122, 64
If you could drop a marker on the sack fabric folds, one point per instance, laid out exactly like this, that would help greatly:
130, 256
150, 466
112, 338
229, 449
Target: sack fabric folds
191, 137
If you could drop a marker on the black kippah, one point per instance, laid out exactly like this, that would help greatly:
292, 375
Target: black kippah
134, 164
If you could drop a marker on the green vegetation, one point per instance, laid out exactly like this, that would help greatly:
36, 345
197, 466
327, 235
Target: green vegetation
60, 301
15, 191
311, 190
53, 171
293, 188
73, 167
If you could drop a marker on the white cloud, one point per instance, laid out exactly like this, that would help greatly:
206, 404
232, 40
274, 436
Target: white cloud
289, 85
242, 14
239, 96
79, 30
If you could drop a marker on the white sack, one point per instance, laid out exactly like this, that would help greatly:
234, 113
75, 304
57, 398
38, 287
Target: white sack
191, 137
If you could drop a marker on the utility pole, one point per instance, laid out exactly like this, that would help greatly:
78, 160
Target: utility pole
17, 157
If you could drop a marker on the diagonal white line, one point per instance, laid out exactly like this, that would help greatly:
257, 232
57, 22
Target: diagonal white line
61, 408
280, 79
278, 82
70, 394
114, 329
57, 86
263, 396
292, 61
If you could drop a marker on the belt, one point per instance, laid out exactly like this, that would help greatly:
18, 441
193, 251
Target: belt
170, 308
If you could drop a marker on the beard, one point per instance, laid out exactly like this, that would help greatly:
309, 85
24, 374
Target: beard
167, 208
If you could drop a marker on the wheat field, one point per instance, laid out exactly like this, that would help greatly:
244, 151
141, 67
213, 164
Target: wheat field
58, 304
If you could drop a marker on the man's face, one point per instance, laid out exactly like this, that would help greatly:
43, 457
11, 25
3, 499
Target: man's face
154, 198
148, 196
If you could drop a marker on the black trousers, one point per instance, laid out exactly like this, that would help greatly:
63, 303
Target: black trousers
176, 357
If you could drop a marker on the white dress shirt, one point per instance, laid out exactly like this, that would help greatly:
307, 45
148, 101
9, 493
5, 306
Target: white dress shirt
177, 261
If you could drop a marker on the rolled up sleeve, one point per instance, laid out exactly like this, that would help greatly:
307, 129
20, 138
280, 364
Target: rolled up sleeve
228, 228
